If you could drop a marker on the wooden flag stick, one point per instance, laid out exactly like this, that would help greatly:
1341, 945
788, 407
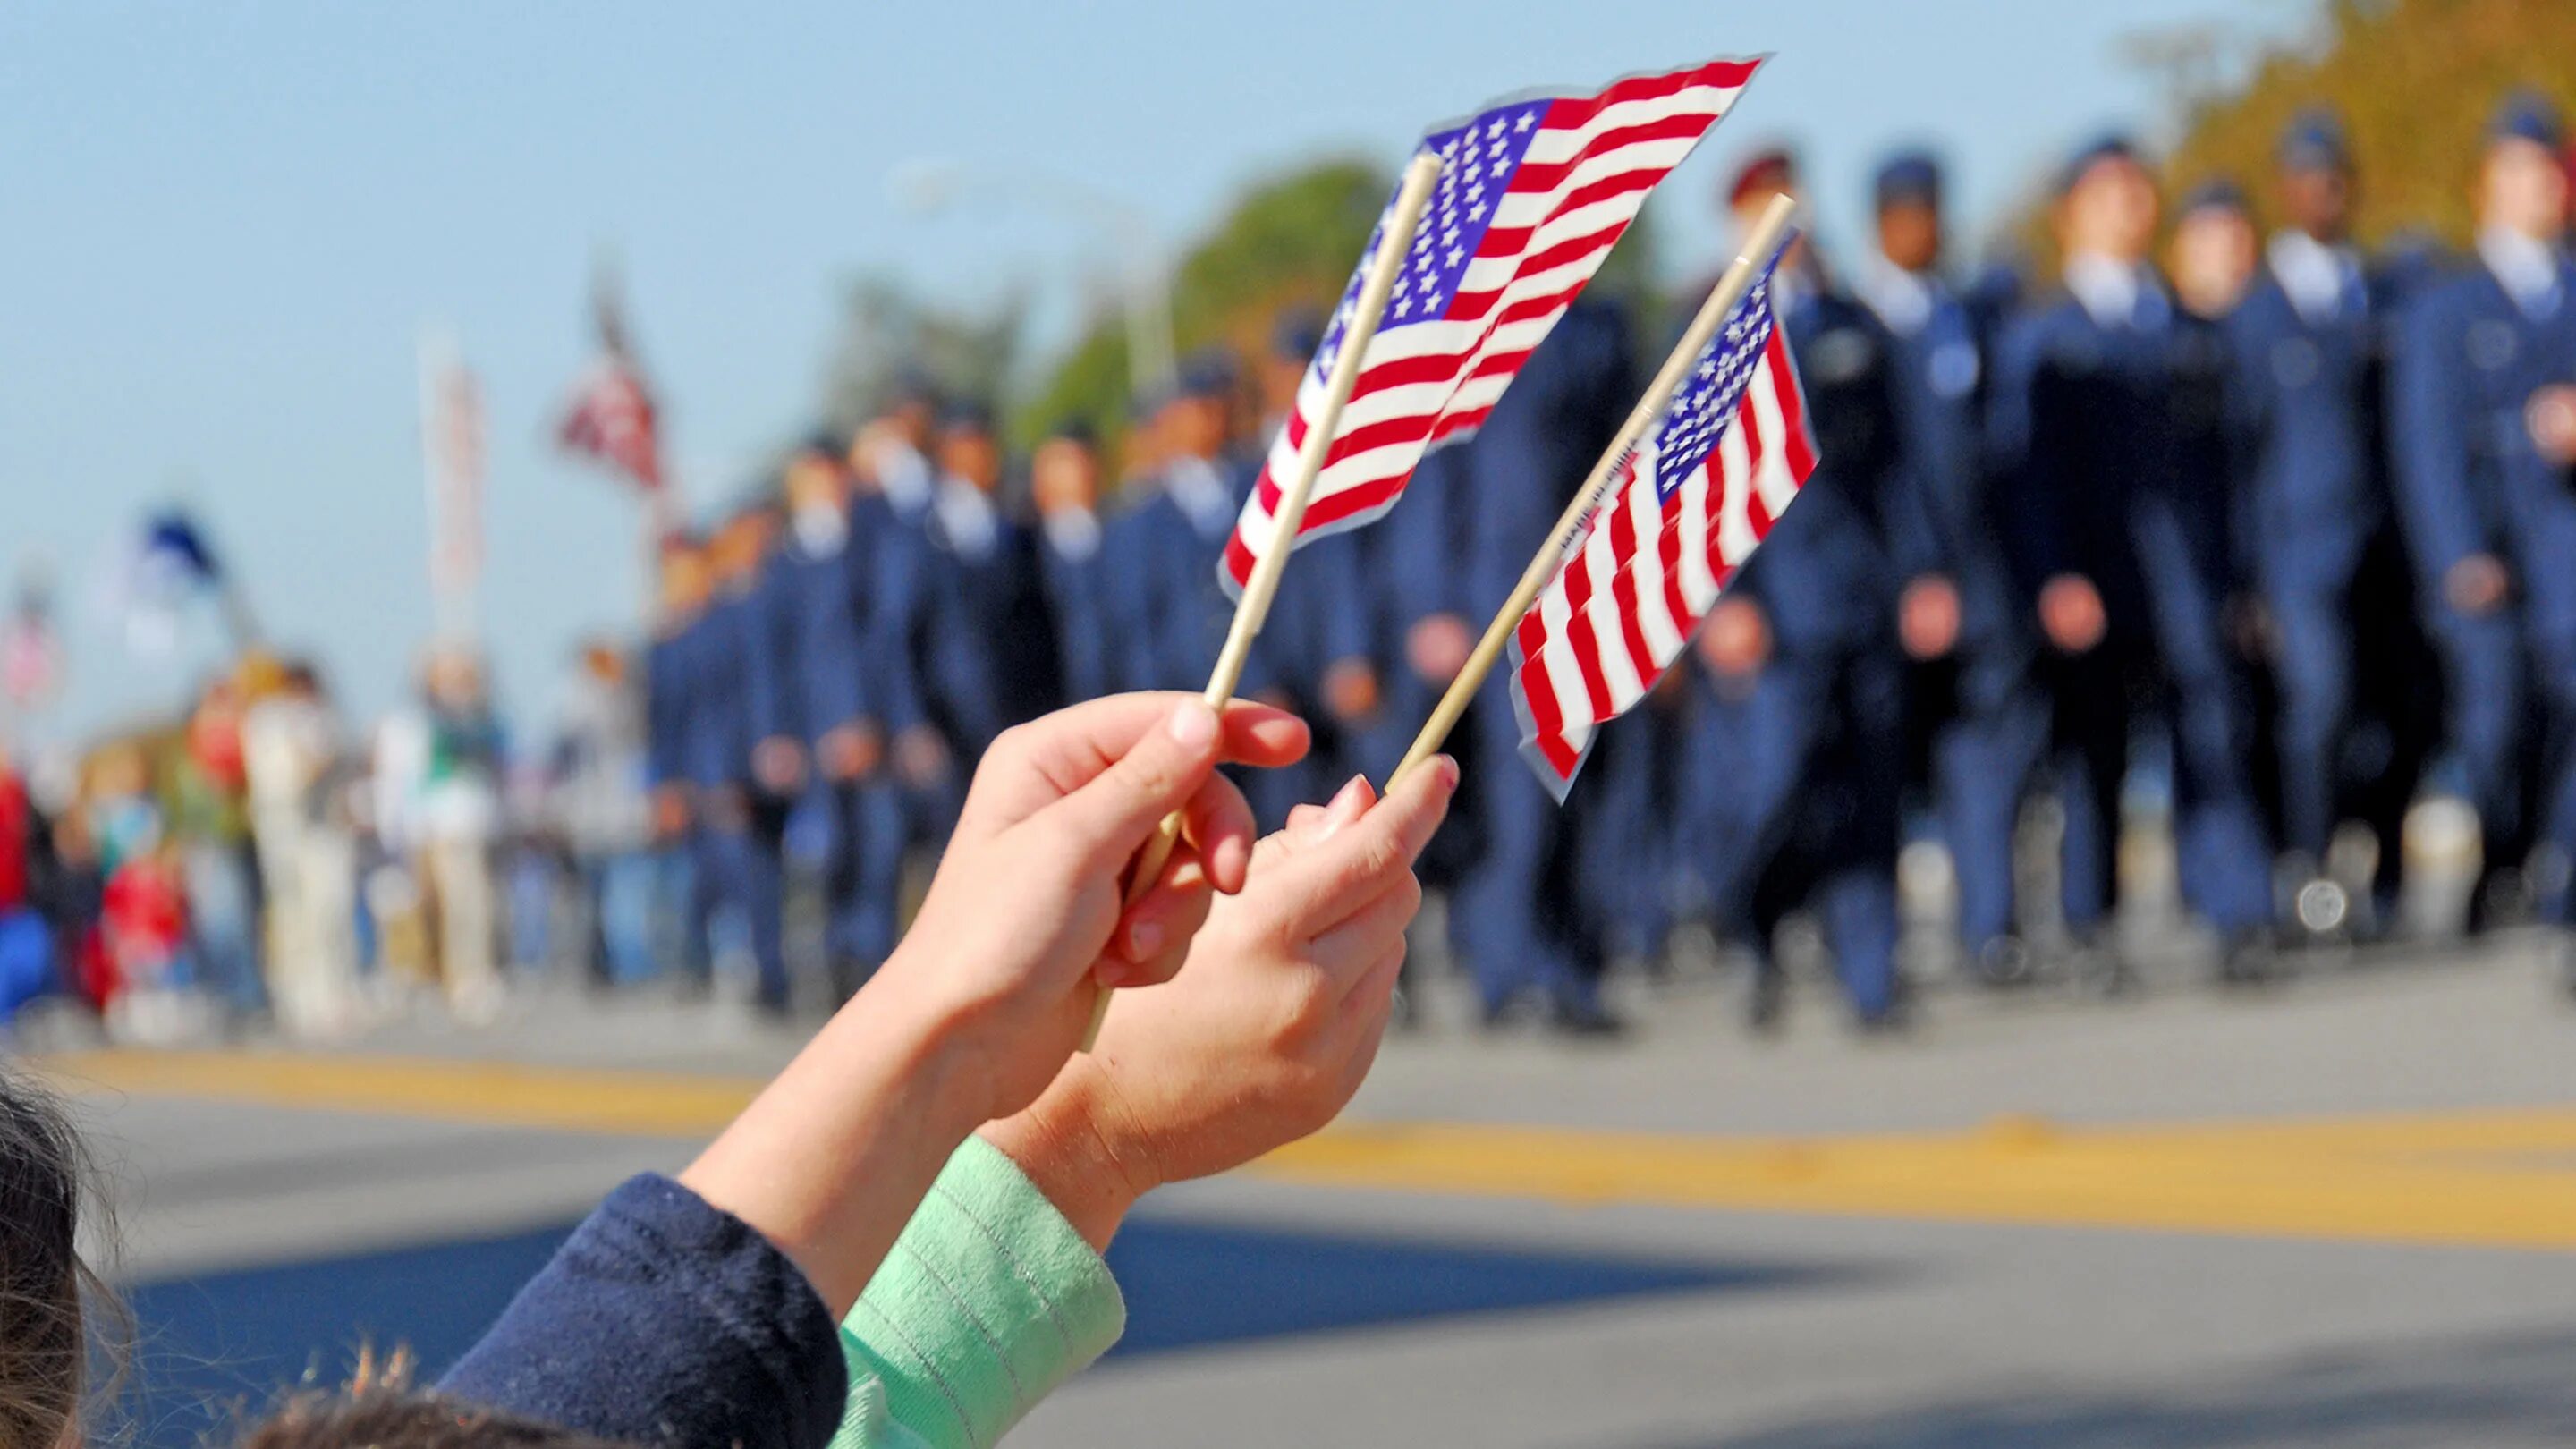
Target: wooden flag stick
1411, 200
1758, 247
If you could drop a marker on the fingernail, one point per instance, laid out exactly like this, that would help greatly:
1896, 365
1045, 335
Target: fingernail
1448, 767
1145, 940
1193, 723
1110, 975
1345, 806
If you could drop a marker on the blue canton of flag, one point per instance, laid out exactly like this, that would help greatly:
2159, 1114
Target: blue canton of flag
1706, 404
1477, 159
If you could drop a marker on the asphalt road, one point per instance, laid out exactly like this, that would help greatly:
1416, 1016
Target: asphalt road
2341, 1211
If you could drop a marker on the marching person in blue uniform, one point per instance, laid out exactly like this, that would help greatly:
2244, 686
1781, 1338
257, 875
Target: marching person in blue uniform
1800, 741
671, 772
2485, 432
985, 646
1521, 916
1064, 488
2118, 546
841, 566
2309, 503
1973, 701
742, 715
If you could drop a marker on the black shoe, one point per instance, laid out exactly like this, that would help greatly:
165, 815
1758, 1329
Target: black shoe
1583, 1021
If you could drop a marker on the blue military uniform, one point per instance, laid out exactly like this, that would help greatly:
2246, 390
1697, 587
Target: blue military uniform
1797, 771
2472, 481
2307, 505
1521, 916
843, 578
987, 648
2098, 483
670, 724
736, 664
1980, 716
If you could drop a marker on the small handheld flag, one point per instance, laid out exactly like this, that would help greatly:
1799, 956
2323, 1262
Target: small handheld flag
1534, 193
1694, 502
1680, 370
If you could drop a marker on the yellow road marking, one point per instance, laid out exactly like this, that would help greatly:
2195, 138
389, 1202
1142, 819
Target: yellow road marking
2503, 1178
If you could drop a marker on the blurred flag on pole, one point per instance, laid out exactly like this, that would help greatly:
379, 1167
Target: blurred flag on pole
31, 657
168, 564
452, 453
1730, 453
1534, 193
611, 418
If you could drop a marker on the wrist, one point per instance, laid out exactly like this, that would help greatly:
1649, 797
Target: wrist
1062, 1146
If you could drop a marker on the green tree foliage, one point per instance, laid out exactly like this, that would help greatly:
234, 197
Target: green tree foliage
887, 332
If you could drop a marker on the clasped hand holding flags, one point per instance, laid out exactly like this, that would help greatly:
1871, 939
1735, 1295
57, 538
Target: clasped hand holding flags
1498, 225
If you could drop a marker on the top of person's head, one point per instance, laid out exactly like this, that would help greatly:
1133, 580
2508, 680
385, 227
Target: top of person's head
46, 1290
368, 1417
2527, 115
966, 416
2109, 149
1907, 178
1297, 335
2219, 196
1207, 375
1768, 172
2314, 141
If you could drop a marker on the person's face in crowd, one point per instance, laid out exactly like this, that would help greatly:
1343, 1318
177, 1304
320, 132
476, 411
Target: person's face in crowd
2111, 211
454, 679
604, 663
1280, 379
1145, 449
815, 482
2318, 200
973, 455
913, 421
119, 772
1909, 235
685, 578
2212, 259
2523, 189
739, 547
1197, 427
1065, 474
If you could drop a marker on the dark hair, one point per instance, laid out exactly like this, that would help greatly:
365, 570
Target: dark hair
379, 1410
48, 1295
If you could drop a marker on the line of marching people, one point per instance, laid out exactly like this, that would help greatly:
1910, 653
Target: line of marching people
2274, 535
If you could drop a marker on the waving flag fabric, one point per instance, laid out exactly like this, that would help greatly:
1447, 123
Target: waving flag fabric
1533, 195
1729, 455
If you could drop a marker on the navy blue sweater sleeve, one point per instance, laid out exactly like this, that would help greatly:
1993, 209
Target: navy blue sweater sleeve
664, 1321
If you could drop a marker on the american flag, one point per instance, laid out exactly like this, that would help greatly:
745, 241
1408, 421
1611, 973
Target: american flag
1728, 457
1533, 194
611, 421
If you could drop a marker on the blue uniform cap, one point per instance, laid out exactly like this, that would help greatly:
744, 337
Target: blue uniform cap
1207, 374
2216, 194
823, 442
2527, 115
1298, 335
1907, 178
2314, 141
2109, 146
1075, 430
966, 417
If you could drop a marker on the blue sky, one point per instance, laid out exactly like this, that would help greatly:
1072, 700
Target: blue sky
222, 228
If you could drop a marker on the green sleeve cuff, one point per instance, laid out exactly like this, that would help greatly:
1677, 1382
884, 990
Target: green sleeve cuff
988, 1301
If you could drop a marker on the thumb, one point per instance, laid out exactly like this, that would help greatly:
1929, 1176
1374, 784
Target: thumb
1113, 814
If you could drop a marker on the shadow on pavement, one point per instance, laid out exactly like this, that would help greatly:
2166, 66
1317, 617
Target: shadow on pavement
215, 1350
2491, 1392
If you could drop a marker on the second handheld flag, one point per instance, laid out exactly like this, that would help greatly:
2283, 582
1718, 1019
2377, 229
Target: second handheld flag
1728, 456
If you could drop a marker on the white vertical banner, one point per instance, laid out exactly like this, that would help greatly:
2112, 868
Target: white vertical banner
452, 451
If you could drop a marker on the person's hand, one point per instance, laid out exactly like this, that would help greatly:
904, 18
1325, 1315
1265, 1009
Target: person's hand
670, 812
778, 763
920, 756
1737, 641
1437, 647
1350, 690
1265, 1034
2071, 614
2551, 417
2477, 584
849, 752
992, 987
1028, 913
1927, 617
2248, 623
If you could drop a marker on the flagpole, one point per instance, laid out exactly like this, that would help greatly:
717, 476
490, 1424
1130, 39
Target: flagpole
1411, 200
1759, 244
